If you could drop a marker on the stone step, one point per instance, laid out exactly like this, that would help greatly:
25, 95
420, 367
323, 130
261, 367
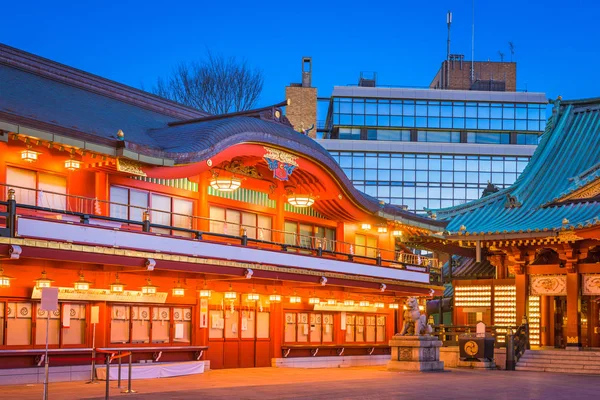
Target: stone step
560, 357
558, 370
561, 360
584, 353
559, 365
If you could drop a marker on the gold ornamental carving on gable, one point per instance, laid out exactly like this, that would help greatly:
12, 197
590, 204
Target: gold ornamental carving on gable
238, 168
545, 285
590, 284
568, 236
590, 190
130, 167
280, 156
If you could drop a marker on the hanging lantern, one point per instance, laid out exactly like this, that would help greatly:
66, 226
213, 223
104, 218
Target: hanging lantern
364, 303
295, 299
231, 295
72, 165
43, 282
178, 291
81, 285
365, 227
314, 300
253, 297
348, 302
275, 298
225, 184
331, 302
149, 288
396, 233
117, 286
205, 293
393, 306
382, 229
301, 200
4, 280
29, 155
378, 305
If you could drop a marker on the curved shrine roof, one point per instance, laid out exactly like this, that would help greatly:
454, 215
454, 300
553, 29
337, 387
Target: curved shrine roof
566, 160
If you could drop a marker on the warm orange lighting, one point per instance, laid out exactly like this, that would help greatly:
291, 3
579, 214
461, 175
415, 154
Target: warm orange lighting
29, 155
382, 229
314, 300
225, 184
117, 286
378, 305
149, 288
253, 297
72, 165
301, 200
364, 303
81, 285
43, 282
348, 302
365, 227
331, 302
275, 298
205, 293
4, 280
393, 306
295, 299
396, 233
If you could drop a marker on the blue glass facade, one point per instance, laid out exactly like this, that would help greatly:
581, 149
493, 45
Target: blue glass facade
483, 135
457, 115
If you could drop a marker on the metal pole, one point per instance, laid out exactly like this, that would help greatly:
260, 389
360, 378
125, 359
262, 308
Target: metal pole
119, 375
129, 390
93, 373
46, 366
107, 394
510, 351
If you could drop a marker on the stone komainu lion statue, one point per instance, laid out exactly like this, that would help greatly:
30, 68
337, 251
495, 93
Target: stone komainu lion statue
415, 323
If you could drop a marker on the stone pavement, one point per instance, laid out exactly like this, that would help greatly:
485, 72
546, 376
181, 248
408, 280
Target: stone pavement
340, 383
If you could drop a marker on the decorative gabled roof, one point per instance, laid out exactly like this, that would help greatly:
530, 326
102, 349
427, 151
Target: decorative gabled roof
569, 149
44, 95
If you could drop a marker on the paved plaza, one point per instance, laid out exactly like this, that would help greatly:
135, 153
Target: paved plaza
341, 383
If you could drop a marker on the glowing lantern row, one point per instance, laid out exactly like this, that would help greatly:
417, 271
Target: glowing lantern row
225, 184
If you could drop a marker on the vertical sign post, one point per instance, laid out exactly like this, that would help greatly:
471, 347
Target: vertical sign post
49, 304
95, 311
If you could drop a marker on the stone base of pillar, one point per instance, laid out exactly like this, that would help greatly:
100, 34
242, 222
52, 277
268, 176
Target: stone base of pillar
476, 364
415, 353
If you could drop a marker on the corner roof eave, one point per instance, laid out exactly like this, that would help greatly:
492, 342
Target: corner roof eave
431, 225
502, 236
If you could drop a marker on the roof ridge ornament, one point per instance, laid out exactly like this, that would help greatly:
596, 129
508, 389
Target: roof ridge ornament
511, 201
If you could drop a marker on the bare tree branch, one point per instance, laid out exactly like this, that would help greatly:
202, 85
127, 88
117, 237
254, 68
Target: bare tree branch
217, 85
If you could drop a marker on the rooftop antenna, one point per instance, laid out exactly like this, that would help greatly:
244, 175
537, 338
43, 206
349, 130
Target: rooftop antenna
449, 22
472, 41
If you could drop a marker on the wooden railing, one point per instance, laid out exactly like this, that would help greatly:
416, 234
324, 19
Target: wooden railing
89, 211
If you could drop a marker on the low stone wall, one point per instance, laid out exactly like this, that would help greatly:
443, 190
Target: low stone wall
451, 356
330, 362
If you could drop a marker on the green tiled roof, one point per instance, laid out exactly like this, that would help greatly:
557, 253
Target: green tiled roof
567, 158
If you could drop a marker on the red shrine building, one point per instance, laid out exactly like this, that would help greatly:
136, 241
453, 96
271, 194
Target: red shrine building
184, 236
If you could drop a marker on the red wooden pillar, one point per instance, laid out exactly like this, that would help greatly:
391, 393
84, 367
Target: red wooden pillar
202, 208
101, 191
279, 221
276, 329
521, 283
545, 321
573, 321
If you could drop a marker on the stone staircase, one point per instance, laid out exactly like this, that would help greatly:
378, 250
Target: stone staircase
563, 361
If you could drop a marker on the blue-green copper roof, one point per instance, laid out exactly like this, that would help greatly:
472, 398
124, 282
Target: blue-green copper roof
567, 159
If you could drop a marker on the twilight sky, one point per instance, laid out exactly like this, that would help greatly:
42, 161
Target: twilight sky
133, 42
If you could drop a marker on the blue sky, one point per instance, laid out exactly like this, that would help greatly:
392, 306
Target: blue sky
557, 42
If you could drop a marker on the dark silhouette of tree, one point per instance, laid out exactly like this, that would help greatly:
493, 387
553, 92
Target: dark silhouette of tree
511, 45
217, 85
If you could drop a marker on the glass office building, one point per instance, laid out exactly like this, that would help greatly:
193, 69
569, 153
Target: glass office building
430, 148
